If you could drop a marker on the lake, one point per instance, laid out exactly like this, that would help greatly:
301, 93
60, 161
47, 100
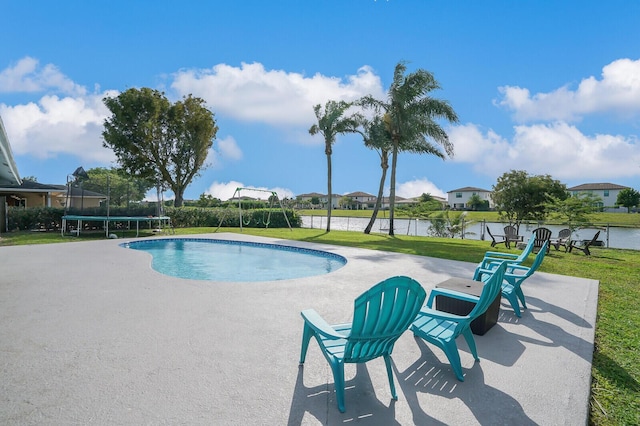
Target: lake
613, 237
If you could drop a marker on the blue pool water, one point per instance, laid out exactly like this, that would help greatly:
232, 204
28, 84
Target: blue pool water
224, 260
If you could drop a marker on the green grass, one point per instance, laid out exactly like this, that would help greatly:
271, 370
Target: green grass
617, 219
615, 391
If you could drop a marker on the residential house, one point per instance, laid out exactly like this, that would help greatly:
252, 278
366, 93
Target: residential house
458, 198
362, 200
34, 194
8, 169
304, 199
608, 192
8, 173
386, 201
322, 198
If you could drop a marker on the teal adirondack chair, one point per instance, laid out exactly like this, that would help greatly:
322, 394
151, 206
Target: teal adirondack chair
380, 316
515, 276
493, 258
442, 329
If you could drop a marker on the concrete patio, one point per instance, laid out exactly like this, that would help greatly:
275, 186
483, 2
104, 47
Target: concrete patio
90, 334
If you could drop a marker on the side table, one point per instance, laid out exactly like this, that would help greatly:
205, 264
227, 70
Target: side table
484, 322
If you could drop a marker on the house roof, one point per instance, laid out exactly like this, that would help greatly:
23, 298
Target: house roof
358, 194
312, 194
31, 186
596, 187
8, 169
468, 189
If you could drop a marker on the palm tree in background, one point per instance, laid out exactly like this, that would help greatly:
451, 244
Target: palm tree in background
331, 123
409, 115
377, 137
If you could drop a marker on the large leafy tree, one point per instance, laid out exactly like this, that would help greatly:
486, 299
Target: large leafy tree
410, 115
628, 198
158, 141
331, 123
120, 187
519, 196
575, 209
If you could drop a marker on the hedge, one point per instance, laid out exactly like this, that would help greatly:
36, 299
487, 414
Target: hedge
50, 219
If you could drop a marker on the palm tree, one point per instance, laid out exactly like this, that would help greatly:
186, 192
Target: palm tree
331, 123
409, 115
377, 137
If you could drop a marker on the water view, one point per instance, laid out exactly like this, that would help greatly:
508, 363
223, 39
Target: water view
613, 237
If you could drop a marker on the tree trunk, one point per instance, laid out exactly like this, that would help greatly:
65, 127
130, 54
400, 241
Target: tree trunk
330, 195
392, 191
179, 200
384, 164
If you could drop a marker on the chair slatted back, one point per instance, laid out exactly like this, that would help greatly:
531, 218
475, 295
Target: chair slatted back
490, 291
541, 235
526, 252
511, 232
380, 317
594, 239
538, 260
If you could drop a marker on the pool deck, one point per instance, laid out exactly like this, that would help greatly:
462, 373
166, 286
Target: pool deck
90, 334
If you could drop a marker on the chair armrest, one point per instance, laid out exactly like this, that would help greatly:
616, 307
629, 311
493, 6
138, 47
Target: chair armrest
512, 267
439, 314
489, 271
450, 293
509, 273
319, 325
499, 254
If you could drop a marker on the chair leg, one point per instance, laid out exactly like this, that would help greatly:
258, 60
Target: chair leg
520, 295
338, 378
471, 342
451, 351
307, 333
449, 348
392, 386
514, 304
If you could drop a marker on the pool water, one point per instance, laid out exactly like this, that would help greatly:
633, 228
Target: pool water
225, 260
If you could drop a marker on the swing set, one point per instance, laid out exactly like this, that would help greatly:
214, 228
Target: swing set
266, 216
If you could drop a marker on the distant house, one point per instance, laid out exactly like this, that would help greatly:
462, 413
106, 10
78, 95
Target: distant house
608, 192
458, 198
386, 200
322, 198
362, 200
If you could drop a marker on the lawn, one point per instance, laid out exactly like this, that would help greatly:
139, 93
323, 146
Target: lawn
614, 219
615, 397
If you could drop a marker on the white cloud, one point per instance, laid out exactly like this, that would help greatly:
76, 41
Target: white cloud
27, 76
557, 149
229, 149
470, 144
417, 187
226, 190
58, 126
275, 97
225, 149
618, 91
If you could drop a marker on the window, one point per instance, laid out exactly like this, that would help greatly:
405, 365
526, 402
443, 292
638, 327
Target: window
458, 194
606, 192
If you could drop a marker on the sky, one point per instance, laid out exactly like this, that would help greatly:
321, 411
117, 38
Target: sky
548, 87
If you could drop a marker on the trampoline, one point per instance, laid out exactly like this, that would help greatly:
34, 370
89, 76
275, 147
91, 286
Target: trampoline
160, 220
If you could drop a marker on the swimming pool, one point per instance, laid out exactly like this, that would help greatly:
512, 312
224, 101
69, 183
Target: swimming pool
229, 260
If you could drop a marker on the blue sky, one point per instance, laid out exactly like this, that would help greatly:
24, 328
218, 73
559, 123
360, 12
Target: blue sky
548, 87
